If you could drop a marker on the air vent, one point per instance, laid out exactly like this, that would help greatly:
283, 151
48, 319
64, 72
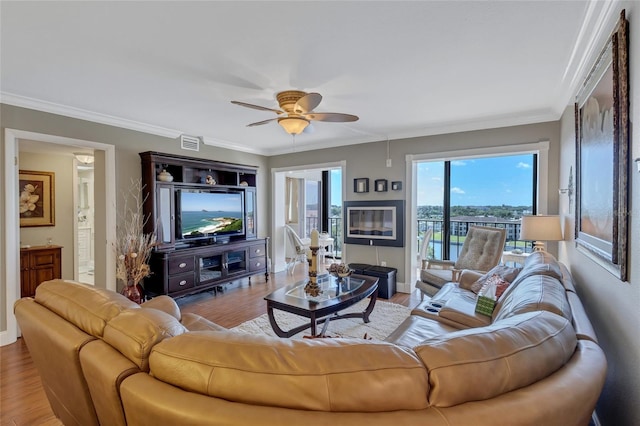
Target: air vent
190, 143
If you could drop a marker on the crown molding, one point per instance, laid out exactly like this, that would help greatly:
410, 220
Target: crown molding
110, 120
598, 23
82, 114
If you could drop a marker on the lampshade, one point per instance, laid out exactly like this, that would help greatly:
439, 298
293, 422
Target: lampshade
540, 228
84, 158
293, 125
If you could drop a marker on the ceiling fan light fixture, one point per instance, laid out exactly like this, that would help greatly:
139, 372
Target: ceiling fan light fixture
293, 125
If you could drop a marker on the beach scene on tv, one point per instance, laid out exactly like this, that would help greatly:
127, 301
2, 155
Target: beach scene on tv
206, 213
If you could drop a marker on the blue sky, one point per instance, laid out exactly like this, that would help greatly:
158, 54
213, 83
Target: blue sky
474, 182
479, 181
336, 187
192, 201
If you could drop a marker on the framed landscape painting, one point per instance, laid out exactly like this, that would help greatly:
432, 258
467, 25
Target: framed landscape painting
37, 198
602, 145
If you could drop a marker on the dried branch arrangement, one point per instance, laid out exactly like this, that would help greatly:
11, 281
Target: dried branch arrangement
133, 246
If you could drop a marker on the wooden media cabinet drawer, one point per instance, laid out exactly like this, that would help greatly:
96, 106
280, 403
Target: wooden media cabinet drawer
180, 265
182, 282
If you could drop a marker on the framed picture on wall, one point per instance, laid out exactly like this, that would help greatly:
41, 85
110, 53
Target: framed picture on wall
602, 151
37, 198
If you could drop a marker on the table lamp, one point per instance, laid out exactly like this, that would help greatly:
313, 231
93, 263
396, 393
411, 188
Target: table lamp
539, 229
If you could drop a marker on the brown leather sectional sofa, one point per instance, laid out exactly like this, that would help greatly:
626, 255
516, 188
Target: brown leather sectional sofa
105, 360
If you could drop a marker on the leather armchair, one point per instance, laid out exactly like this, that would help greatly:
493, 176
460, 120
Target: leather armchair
481, 251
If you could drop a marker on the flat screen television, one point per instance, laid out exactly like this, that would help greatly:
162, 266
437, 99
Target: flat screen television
203, 213
379, 223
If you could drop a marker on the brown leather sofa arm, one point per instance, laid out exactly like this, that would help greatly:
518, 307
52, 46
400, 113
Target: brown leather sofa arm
165, 304
584, 329
468, 277
440, 264
194, 322
107, 368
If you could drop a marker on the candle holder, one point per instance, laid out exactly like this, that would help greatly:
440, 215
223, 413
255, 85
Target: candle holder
312, 288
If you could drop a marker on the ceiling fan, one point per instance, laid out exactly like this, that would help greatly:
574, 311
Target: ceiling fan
296, 111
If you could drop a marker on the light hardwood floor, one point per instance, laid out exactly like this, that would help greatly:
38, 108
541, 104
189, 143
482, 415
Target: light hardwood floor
23, 401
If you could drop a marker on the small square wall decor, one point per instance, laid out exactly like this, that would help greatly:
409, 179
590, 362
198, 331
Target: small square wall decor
381, 185
396, 185
361, 185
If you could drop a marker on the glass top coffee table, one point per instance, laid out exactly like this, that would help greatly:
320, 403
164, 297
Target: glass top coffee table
337, 295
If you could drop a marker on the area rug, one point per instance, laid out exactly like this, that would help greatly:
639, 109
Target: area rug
384, 319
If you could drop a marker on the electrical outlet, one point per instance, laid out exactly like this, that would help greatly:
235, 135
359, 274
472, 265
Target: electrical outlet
383, 263
388, 162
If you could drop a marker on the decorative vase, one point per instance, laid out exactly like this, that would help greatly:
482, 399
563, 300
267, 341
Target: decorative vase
133, 292
165, 176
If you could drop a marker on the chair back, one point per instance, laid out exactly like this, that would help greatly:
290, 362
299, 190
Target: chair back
482, 248
295, 246
424, 248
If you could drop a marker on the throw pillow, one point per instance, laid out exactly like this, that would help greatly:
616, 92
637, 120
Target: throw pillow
505, 272
496, 281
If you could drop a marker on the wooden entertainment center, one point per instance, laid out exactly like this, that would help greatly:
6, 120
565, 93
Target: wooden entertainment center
188, 262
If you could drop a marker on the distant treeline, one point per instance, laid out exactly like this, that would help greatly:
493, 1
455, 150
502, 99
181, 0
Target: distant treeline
503, 211
435, 212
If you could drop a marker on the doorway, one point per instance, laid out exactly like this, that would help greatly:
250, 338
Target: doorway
105, 223
298, 201
84, 253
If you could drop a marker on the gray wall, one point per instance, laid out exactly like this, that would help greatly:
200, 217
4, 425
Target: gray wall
369, 160
128, 144
612, 305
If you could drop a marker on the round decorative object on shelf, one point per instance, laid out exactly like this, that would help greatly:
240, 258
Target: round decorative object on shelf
244, 183
210, 180
165, 176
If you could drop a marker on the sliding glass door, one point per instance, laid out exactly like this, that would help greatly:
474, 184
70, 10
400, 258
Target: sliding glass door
487, 191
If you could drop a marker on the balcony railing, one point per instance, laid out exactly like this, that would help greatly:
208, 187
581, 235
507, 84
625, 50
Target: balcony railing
458, 231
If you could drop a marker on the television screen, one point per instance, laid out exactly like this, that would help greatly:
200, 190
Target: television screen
375, 222
379, 223
204, 213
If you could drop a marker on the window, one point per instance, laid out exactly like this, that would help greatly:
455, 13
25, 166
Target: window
488, 191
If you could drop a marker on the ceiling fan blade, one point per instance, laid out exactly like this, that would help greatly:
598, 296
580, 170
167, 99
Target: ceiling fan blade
258, 107
307, 103
260, 123
334, 117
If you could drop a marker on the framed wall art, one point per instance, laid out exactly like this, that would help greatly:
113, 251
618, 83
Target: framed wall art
602, 156
37, 198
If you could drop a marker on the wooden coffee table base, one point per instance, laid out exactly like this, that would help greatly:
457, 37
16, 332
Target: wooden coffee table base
322, 312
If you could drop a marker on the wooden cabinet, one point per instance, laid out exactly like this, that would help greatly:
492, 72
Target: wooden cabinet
164, 175
185, 261
38, 264
184, 271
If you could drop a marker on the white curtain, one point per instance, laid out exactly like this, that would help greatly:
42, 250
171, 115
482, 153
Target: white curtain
291, 200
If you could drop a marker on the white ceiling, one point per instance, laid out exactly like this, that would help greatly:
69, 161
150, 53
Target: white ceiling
405, 68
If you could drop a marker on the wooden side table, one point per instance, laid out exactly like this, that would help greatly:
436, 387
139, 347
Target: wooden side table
519, 258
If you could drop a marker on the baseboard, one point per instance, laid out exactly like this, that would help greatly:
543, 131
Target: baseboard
6, 338
403, 288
